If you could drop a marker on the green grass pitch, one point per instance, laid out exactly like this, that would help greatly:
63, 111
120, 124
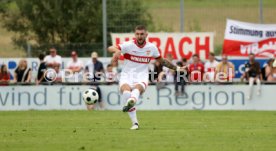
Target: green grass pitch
160, 131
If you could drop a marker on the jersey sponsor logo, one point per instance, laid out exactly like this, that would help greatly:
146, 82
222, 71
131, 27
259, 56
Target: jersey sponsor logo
139, 59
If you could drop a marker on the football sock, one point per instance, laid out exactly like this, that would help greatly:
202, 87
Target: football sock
132, 112
135, 93
126, 95
132, 115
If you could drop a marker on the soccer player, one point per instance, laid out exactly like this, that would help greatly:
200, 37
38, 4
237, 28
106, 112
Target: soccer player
134, 76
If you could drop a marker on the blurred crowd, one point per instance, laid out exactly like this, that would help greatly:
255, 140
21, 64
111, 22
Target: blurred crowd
212, 70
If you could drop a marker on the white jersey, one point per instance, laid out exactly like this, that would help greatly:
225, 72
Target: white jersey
55, 59
210, 68
72, 64
76, 76
136, 60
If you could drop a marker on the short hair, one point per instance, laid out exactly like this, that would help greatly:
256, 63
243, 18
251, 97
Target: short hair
109, 65
212, 54
53, 47
41, 56
184, 60
141, 27
196, 55
251, 54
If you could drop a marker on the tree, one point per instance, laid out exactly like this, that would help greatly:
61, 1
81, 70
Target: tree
69, 21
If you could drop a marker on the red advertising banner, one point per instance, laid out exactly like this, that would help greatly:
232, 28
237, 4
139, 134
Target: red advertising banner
243, 38
179, 45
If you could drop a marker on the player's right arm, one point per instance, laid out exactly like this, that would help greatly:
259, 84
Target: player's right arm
116, 53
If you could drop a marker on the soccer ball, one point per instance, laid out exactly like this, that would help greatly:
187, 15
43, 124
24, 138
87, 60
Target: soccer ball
90, 96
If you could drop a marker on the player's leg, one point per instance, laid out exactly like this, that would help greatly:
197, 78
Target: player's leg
90, 107
258, 81
126, 94
251, 83
101, 104
135, 94
138, 89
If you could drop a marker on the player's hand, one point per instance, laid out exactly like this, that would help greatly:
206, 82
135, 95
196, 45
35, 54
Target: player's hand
182, 69
116, 57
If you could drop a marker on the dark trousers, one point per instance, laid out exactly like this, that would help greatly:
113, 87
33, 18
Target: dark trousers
181, 83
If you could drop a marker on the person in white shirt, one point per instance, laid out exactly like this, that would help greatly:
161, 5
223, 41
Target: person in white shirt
168, 73
135, 73
76, 66
53, 59
110, 74
210, 68
94, 69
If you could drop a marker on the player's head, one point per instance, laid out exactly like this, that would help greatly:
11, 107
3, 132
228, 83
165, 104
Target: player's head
184, 62
251, 57
224, 59
74, 55
4, 68
195, 58
141, 34
109, 67
41, 57
53, 51
94, 56
270, 62
211, 56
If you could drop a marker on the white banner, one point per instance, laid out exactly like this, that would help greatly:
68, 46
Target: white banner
198, 97
242, 38
180, 45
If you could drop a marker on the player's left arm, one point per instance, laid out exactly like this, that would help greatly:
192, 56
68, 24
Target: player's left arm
165, 62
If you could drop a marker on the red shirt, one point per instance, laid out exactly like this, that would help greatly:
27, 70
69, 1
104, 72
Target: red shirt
196, 72
5, 78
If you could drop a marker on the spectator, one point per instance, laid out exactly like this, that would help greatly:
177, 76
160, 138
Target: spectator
253, 74
54, 75
167, 73
95, 68
53, 59
157, 69
58, 76
41, 70
22, 73
225, 70
210, 68
110, 74
181, 78
4, 75
157, 75
270, 71
196, 70
75, 66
